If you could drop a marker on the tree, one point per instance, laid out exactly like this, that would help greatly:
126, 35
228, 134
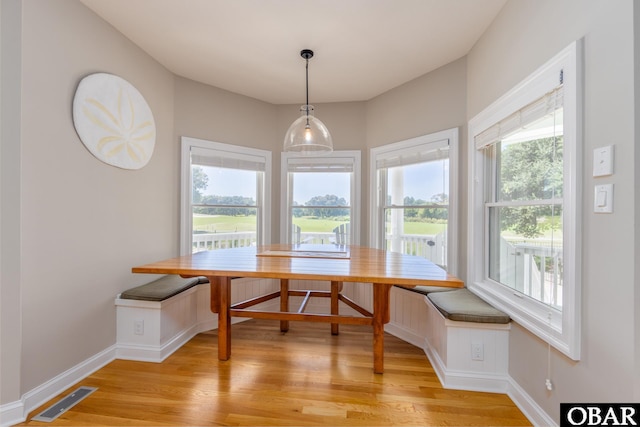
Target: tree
200, 182
530, 171
327, 200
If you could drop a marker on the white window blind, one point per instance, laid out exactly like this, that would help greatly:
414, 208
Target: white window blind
226, 159
413, 155
516, 121
335, 164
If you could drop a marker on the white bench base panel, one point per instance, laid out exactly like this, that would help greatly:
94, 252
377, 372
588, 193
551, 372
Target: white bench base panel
169, 324
448, 344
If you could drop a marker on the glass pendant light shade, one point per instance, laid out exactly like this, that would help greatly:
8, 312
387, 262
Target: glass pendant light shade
308, 135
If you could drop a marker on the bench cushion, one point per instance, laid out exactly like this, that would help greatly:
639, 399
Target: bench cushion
465, 306
162, 288
425, 290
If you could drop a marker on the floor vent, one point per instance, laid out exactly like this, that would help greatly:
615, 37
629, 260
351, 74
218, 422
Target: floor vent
57, 409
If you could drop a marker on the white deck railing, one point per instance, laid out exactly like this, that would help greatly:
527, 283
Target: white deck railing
524, 265
212, 241
430, 247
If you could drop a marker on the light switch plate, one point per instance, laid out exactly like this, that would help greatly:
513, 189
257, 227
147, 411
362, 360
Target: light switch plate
603, 198
603, 161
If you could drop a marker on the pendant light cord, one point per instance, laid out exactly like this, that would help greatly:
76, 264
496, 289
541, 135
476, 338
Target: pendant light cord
307, 75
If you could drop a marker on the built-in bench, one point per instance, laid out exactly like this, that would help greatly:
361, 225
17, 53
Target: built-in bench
162, 288
155, 319
466, 338
462, 305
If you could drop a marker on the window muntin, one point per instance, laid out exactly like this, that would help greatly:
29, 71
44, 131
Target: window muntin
322, 198
230, 212
524, 209
413, 200
416, 208
225, 196
549, 103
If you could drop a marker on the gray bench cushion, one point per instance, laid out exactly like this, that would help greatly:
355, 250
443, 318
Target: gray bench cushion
425, 290
162, 288
465, 306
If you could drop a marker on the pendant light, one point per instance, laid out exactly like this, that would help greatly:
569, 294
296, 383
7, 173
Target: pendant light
307, 135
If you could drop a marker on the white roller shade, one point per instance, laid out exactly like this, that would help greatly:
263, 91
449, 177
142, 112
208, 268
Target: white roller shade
518, 120
225, 159
412, 155
319, 164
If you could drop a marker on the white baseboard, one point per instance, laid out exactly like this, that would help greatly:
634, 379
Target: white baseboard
528, 406
17, 412
461, 380
156, 353
12, 413
404, 333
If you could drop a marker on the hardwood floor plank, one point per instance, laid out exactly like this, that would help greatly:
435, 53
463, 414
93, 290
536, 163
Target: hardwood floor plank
304, 377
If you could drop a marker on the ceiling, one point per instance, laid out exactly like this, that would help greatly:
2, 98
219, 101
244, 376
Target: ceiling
252, 47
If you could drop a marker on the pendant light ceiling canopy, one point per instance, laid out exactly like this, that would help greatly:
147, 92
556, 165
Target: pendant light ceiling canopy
307, 135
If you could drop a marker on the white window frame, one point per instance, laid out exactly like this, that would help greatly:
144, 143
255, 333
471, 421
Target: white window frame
561, 329
232, 152
335, 157
405, 148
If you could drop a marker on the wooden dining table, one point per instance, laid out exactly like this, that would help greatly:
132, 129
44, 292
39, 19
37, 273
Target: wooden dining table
333, 263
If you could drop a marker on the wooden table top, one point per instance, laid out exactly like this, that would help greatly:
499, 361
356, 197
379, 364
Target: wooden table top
311, 262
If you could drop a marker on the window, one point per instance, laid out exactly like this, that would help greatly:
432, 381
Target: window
321, 198
413, 199
524, 221
225, 196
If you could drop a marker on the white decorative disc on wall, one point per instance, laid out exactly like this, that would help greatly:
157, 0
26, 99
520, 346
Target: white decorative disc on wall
114, 121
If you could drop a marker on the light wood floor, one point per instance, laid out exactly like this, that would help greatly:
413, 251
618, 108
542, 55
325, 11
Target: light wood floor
305, 377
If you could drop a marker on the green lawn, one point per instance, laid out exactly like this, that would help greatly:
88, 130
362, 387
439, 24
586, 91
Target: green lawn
222, 224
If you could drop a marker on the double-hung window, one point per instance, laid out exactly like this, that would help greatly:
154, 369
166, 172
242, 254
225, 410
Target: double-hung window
225, 196
321, 198
413, 197
524, 221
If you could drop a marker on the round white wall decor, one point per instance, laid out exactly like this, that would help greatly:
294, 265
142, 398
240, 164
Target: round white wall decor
114, 121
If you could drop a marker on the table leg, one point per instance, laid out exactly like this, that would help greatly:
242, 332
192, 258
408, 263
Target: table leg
284, 303
224, 319
381, 316
214, 286
336, 287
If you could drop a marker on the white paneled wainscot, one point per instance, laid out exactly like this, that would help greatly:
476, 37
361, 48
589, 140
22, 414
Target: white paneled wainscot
465, 355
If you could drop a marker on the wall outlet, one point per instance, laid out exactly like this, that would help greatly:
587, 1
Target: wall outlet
138, 327
477, 351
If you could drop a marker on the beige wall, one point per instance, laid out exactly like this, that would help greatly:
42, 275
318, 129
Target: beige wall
525, 35
347, 123
217, 115
636, 182
428, 104
84, 223
10, 317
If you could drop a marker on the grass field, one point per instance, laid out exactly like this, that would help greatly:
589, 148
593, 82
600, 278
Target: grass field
225, 224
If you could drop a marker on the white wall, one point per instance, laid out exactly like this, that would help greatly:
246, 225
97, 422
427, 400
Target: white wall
524, 36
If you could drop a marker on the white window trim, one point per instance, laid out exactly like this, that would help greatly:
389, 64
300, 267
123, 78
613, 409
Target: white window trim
353, 156
186, 216
561, 330
376, 230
